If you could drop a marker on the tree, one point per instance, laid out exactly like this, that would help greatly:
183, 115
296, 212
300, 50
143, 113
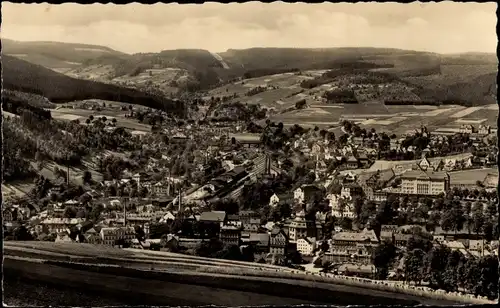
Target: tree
87, 177
294, 257
413, 265
453, 219
140, 235
382, 258
477, 222
21, 234
96, 211
435, 262
70, 212
300, 104
324, 246
420, 240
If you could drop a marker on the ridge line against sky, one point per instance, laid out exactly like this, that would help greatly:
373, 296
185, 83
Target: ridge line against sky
444, 27
267, 47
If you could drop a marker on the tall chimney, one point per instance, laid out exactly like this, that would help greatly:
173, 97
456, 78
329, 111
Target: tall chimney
125, 212
180, 200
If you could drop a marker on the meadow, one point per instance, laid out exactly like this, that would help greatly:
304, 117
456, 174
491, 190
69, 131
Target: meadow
83, 114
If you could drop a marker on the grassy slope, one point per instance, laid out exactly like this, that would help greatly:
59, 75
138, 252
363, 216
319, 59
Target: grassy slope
58, 88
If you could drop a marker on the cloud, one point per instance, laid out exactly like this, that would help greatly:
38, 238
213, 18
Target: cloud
217, 27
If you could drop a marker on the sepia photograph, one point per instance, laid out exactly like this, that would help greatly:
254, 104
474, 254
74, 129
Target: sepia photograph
250, 154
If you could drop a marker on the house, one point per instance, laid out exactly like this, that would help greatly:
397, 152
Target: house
252, 225
356, 245
424, 164
484, 130
306, 245
247, 215
91, 236
437, 165
363, 271
306, 193
278, 242
211, 222
351, 190
466, 129
395, 145
111, 235
363, 160
139, 177
230, 234
216, 217
300, 227
260, 241
63, 237
169, 216
341, 207
8, 214
160, 188
401, 240
59, 225
352, 162
276, 200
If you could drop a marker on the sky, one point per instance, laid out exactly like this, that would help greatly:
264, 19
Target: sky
444, 27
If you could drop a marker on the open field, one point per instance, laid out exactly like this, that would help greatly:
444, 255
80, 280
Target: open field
82, 114
269, 98
9, 115
16, 189
470, 177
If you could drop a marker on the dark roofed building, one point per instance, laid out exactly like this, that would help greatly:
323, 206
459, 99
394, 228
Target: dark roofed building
352, 162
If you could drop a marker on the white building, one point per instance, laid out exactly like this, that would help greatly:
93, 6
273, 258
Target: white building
298, 195
109, 236
306, 245
274, 201
418, 182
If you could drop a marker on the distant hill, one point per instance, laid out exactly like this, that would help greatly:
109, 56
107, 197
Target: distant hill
55, 55
23, 76
437, 76
258, 58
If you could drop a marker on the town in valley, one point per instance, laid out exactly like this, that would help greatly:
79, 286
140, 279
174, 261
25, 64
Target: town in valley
351, 165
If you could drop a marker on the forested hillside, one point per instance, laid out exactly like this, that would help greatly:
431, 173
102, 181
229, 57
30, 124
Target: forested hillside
58, 88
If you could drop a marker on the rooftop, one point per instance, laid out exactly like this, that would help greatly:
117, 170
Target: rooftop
213, 216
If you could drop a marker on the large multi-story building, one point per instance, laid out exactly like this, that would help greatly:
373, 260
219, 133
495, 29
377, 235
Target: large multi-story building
230, 234
110, 236
427, 183
300, 227
278, 242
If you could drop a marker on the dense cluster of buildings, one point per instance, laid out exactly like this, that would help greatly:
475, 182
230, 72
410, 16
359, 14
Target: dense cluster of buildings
358, 173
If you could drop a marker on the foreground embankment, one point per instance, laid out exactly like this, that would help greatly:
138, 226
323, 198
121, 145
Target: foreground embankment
167, 288
263, 284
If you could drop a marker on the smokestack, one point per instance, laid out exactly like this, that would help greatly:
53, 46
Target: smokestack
124, 212
180, 201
